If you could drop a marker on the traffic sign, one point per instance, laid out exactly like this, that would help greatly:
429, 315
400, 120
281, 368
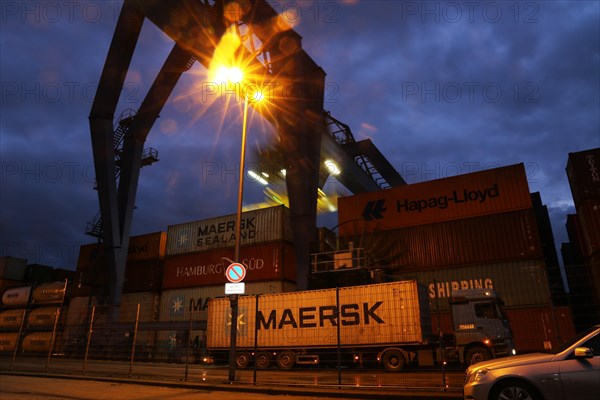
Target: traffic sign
235, 288
235, 272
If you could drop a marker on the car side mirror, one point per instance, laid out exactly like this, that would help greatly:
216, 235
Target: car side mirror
583, 352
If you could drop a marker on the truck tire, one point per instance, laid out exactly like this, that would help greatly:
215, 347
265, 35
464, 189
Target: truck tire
262, 360
477, 354
242, 359
393, 360
286, 360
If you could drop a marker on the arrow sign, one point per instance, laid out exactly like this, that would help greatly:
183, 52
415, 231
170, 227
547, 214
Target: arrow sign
374, 210
235, 272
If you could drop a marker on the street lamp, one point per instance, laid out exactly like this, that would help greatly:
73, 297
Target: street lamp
235, 76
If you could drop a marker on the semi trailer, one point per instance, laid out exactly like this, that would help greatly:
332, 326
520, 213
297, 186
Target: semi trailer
387, 324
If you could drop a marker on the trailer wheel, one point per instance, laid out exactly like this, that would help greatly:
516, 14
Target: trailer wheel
286, 360
262, 359
242, 359
477, 354
393, 360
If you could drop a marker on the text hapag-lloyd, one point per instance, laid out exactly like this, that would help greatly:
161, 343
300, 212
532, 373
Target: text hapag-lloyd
224, 232
443, 202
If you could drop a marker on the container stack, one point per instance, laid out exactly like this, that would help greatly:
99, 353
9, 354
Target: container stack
478, 230
199, 252
582, 255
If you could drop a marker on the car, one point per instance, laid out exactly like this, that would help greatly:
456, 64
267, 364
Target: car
570, 372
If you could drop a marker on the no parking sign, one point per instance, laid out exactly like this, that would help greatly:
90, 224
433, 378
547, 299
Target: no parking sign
235, 274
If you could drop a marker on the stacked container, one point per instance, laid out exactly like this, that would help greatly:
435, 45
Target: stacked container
583, 262
199, 252
468, 231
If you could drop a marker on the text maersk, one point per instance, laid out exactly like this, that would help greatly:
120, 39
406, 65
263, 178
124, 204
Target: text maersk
224, 232
442, 202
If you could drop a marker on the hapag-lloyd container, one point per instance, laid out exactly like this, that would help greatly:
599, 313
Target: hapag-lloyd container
480, 193
141, 247
257, 226
583, 171
519, 283
264, 262
177, 304
588, 214
487, 239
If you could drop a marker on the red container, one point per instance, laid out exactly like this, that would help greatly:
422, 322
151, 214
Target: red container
143, 276
266, 262
583, 171
588, 214
488, 239
540, 328
481, 193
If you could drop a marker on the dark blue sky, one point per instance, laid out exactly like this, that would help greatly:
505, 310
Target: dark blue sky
442, 88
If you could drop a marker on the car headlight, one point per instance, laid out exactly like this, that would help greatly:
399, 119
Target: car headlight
477, 375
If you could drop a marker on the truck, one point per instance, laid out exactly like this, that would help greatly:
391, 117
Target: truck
387, 324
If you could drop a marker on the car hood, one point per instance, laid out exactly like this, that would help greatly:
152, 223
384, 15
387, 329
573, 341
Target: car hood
505, 362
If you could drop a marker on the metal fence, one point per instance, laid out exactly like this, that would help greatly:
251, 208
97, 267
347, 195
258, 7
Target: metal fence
79, 339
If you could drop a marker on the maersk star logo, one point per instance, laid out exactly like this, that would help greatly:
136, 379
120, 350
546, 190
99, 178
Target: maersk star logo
183, 239
177, 305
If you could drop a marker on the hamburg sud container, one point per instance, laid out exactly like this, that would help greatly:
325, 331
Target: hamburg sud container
370, 315
583, 172
480, 193
264, 262
257, 226
493, 238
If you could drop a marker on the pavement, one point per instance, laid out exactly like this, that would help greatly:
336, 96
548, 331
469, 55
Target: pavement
289, 390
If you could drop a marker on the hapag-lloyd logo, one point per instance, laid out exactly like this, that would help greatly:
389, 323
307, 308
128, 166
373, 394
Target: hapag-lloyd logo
443, 202
593, 169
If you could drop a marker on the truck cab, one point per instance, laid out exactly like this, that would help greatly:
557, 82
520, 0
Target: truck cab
481, 329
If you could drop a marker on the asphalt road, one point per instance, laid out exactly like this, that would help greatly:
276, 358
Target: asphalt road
30, 387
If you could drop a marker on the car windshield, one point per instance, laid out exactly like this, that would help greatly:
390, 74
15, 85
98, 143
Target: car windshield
572, 340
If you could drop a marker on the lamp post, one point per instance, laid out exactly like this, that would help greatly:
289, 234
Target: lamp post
235, 75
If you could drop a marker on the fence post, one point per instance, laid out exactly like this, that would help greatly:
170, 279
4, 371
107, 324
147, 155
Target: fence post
56, 321
255, 337
135, 329
89, 339
339, 348
18, 339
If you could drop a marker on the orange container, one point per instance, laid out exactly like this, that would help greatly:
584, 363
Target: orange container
481, 193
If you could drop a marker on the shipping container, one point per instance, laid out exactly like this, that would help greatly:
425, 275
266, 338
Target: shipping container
588, 214
179, 304
265, 262
583, 172
150, 246
487, 239
12, 268
16, 297
37, 273
79, 310
6, 284
257, 226
395, 303
487, 192
39, 342
147, 247
576, 236
8, 341
519, 283
11, 319
540, 328
42, 317
148, 301
46, 293
143, 276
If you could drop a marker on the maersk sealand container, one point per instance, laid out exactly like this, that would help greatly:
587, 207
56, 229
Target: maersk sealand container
385, 323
